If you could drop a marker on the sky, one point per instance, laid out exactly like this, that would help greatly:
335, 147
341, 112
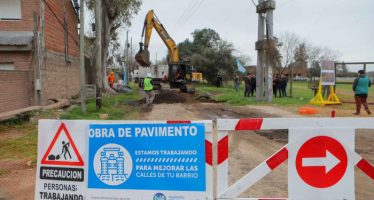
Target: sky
346, 26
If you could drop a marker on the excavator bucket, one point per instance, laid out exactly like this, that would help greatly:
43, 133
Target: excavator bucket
142, 57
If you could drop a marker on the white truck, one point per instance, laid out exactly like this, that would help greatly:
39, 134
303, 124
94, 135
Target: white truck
159, 74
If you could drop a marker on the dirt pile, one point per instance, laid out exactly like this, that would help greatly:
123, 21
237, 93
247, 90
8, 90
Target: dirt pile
168, 97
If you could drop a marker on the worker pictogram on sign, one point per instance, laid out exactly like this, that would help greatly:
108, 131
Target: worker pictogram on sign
321, 161
62, 150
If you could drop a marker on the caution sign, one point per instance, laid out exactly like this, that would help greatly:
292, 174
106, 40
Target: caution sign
62, 150
319, 166
61, 167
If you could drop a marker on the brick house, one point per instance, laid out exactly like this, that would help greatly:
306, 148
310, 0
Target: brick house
39, 52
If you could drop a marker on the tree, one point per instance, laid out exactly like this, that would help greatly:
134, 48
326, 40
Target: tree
205, 38
300, 58
185, 49
209, 54
329, 54
115, 14
288, 44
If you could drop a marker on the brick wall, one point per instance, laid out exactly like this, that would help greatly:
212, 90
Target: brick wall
54, 29
16, 86
27, 22
17, 90
58, 79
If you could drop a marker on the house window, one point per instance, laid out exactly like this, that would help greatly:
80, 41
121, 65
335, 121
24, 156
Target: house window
6, 66
10, 10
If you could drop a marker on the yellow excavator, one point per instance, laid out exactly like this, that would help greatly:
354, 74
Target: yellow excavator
181, 73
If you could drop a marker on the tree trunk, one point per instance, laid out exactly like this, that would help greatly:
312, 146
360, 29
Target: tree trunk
107, 26
98, 53
291, 83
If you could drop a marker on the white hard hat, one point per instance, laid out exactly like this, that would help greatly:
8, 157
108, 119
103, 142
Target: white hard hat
149, 75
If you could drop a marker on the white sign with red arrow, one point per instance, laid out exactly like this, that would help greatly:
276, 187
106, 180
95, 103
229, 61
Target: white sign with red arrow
318, 164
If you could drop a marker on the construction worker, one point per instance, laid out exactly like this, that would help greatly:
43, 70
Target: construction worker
111, 79
148, 89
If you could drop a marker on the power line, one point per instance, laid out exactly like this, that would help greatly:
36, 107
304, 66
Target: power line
188, 15
284, 3
60, 22
254, 3
188, 9
191, 14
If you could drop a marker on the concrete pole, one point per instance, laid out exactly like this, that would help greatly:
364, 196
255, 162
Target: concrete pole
269, 24
264, 70
99, 74
81, 57
259, 67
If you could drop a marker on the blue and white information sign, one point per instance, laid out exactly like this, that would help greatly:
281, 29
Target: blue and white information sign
146, 161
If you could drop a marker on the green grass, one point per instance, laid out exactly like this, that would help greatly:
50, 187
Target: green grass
301, 94
228, 95
24, 147
116, 106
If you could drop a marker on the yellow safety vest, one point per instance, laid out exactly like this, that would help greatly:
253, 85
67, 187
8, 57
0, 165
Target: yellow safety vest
147, 84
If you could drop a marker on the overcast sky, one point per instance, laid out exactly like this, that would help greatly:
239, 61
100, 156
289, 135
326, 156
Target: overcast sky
343, 25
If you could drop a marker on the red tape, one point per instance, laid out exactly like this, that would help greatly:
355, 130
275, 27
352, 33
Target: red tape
178, 122
208, 152
366, 167
277, 159
249, 124
223, 149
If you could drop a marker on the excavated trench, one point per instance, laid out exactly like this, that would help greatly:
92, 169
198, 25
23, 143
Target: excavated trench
205, 109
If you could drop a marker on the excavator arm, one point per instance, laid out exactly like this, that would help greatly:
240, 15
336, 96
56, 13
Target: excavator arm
151, 21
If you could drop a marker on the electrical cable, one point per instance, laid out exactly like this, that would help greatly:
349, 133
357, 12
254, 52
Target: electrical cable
284, 3
61, 23
188, 9
191, 14
192, 10
254, 3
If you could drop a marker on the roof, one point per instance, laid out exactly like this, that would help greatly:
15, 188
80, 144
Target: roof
16, 38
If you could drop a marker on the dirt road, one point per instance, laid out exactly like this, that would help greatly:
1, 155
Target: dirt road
246, 149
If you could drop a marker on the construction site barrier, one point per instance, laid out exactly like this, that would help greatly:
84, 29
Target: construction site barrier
253, 124
217, 146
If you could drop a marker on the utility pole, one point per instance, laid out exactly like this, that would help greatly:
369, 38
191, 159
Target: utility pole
156, 59
131, 59
81, 56
127, 56
99, 74
264, 69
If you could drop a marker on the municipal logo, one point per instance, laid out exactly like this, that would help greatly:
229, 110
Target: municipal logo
115, 164
159, 196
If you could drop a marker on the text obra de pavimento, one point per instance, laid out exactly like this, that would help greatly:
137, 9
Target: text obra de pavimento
154, 131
